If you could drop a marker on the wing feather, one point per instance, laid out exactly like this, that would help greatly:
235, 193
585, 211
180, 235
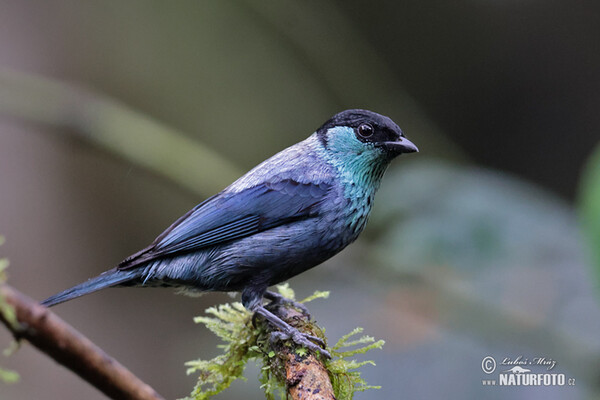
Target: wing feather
231, 216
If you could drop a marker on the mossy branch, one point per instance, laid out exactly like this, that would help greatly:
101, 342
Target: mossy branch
287, 369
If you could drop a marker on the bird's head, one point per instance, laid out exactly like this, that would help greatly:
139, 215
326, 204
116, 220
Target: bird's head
363, 138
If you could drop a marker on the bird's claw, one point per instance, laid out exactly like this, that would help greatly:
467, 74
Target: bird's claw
285, 331
302, 339
276, 298
316, 339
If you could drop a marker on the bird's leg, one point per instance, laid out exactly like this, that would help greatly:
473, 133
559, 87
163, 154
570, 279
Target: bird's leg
276, 298
252, 300
286, 331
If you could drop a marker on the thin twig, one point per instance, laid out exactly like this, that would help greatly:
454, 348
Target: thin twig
64, 344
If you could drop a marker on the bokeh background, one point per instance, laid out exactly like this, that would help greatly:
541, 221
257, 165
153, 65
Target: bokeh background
116, 117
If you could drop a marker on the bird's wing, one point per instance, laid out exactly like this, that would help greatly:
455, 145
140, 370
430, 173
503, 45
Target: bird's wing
230, 216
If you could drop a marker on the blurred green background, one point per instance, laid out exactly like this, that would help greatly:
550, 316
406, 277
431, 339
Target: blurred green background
116, 117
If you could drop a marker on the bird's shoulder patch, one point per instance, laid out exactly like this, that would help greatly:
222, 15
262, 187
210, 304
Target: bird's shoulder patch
292, 187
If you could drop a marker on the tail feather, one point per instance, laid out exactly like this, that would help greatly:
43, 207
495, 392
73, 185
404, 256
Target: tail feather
107, 279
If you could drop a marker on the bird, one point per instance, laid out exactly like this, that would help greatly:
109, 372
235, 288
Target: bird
288, 214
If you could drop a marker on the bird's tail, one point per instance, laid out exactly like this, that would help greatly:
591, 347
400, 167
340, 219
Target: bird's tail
107, 279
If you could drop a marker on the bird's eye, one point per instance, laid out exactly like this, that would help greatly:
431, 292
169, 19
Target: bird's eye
365, 130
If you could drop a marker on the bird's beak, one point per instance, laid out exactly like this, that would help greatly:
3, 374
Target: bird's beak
402, 145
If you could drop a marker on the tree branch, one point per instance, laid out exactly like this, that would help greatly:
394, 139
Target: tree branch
64, 344
306, 377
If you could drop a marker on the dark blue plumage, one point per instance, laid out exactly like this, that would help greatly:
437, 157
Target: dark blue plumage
288, 214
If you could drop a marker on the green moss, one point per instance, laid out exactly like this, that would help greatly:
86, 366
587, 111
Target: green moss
8, 376
232, 324
8, 313
243, 341
345, 378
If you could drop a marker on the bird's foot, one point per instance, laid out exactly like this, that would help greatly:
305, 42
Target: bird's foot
302, 339
277, 299
286, 332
